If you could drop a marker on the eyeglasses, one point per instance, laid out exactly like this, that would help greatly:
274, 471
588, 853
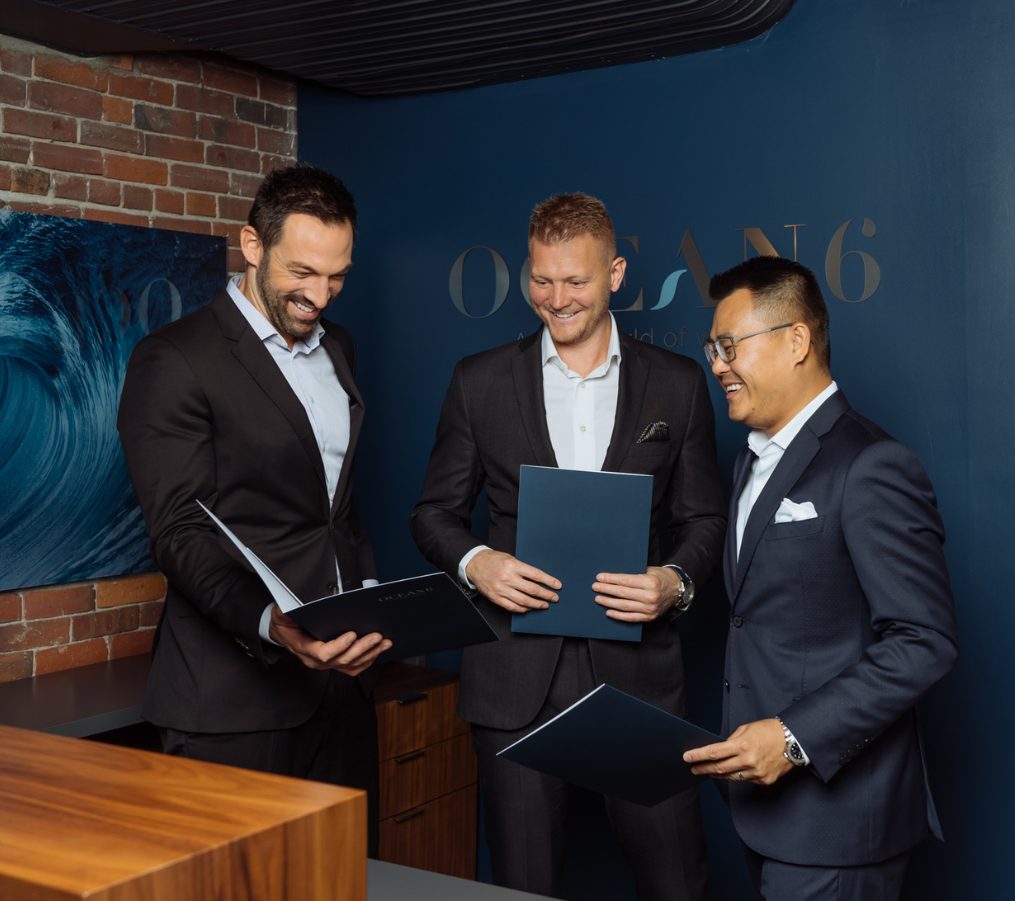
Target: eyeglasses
725, 346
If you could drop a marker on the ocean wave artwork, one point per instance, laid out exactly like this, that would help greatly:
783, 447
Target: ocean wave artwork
75, 297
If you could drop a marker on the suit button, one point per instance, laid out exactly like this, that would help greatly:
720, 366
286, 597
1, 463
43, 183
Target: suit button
332, 589
726, 684
737, 621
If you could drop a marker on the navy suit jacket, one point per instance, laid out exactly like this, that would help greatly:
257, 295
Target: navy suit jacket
492, 422
838, 625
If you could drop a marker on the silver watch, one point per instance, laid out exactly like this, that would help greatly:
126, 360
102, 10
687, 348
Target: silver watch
686, 590
792, 752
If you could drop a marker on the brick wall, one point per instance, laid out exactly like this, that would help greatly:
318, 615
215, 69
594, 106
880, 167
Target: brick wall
176, 142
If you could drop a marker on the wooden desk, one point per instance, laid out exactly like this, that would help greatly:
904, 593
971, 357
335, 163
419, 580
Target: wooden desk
87, 820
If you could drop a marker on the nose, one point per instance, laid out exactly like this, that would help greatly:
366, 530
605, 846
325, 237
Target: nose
719, 367
558, 298
318, 291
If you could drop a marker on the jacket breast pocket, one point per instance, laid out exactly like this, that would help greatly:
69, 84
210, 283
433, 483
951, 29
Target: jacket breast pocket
797, 529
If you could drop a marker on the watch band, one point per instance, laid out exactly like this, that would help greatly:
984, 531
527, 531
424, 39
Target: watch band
792, 752
686, 590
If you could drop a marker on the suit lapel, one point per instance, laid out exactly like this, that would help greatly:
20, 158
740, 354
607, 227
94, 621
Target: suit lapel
528, 378
741, 472
344, 373
634, 372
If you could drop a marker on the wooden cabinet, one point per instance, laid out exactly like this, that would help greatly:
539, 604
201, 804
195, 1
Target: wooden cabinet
427, 772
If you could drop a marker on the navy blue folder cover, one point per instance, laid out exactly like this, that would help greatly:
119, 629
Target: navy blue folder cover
574, 524
616, 745
421, 615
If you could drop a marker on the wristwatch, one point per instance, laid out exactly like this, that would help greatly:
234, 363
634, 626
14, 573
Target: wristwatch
686, 590
793, 752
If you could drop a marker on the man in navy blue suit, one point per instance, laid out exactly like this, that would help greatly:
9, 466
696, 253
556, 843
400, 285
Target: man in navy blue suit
841, 611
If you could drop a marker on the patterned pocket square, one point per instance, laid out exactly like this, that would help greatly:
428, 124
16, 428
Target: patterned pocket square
654, 431
792, 512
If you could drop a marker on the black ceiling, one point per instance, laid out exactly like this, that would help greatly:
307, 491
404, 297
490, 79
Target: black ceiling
389, 47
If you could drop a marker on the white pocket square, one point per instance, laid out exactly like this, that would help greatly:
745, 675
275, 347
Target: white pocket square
791, 512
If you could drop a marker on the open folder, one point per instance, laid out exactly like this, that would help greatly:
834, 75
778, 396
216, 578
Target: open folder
421, 615
616, 745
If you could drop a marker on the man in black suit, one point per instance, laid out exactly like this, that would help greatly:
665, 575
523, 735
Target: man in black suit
250, 406
579, 394
842, 612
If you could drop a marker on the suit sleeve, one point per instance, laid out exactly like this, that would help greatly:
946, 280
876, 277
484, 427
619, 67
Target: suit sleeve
440, 521
894, 536
167, 434
696, 502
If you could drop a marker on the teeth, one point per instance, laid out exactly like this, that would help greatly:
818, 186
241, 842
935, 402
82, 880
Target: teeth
733, 388
306, 308
565, 315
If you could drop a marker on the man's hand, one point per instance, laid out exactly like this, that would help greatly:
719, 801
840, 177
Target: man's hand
638, 598
511, 584
754, 753
347, 653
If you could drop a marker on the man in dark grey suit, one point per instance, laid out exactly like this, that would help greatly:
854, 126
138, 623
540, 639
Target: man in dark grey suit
250, 406
842, 614
579, 394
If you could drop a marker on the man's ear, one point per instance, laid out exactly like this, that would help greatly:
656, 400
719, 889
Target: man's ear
801, 342
617, 269
251, 246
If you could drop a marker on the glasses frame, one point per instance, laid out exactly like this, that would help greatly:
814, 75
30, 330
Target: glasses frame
714, 349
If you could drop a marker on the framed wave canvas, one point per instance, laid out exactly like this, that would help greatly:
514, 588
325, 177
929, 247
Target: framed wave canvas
75, 297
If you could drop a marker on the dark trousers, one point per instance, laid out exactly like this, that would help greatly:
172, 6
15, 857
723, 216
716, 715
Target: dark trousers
338, 744
777, 881
526, 811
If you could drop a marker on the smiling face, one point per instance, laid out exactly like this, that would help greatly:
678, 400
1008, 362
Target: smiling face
300, 275
570, 287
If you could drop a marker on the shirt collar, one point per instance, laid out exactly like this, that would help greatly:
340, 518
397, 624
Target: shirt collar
550, 355
759, 442
264, 330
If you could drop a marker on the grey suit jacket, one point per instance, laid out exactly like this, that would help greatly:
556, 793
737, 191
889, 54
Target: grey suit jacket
205, 413
838, 625
493, 421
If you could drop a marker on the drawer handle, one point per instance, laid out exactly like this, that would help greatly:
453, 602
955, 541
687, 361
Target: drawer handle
412, 755
410, 698
411, 815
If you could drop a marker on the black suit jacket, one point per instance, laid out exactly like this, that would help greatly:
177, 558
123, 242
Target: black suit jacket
206, 413
492, 422
840, 622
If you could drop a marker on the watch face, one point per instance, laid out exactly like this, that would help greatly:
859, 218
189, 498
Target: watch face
795, 752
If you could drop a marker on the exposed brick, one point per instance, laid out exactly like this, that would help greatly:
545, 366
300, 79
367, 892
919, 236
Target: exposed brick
140, 88
232, 80
116, 109
104, 622
149, 614
40, 633
175, 67
203, 100
10, 607
170, 201
128, 168
234, 208
113, 137
56, 68
124, 61
195, 226
70, 187
244, 185
276, 91
226, 131
280, 142
15, 62
130, 590
127, 644
67, 159
29, 181
15, 666
236, 261
104, 192
255, 111
69, 656
13, 90
200, 204
102, 214
179, 123
181, 149
137, 198
40, 125
199, 178
47, 209
15, 150
232, 157
62, 98
41, 603
5, 178
270, 161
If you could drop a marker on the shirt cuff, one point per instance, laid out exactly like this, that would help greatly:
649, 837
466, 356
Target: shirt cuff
370, 583
466, 560
262, 628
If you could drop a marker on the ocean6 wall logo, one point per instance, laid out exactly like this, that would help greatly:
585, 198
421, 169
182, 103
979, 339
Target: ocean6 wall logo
848, 249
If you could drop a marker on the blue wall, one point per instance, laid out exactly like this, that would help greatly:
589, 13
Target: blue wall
897, 118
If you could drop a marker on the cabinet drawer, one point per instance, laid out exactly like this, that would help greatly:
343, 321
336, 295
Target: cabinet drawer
439, 836
419, 776
416, 719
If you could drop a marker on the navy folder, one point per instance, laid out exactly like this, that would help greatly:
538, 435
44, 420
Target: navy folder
421, 615
616, 745
574, 524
